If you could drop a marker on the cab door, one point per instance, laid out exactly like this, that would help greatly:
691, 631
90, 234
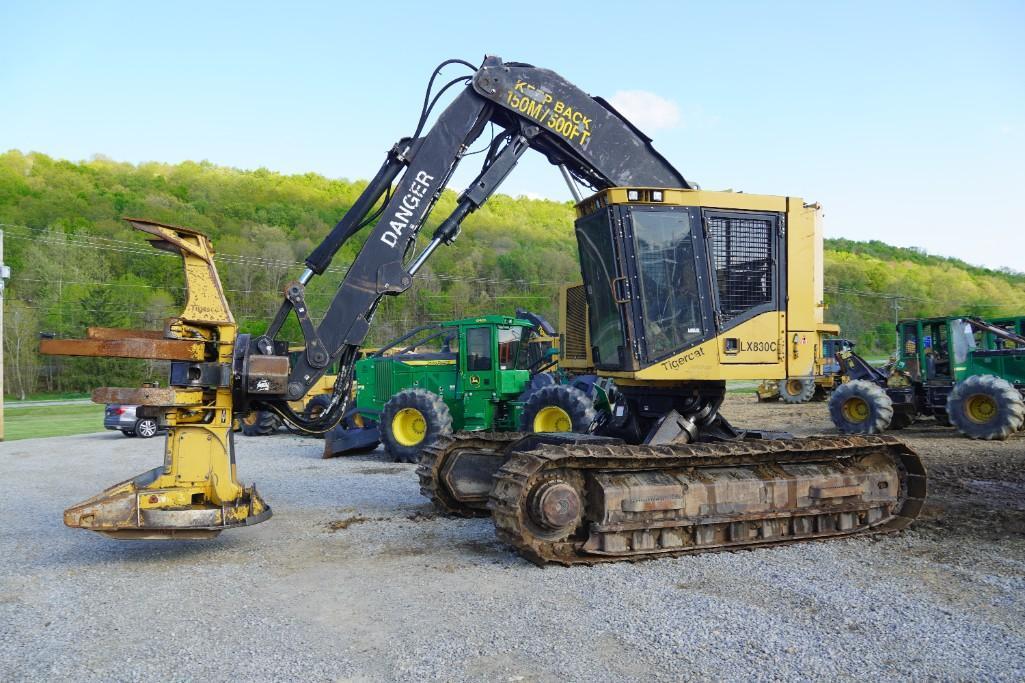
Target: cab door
477, 370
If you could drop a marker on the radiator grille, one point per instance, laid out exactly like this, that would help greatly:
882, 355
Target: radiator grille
575, 316
383, 372
742, 249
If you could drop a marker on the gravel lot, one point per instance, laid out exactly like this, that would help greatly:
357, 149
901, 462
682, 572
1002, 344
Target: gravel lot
355, 578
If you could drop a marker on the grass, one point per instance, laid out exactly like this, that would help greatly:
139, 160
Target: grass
49, 396
38, 421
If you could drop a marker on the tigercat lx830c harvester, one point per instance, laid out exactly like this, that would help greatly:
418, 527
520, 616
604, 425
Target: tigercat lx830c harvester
684, 289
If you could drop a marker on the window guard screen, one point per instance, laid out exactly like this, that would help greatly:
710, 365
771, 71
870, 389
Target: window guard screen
742, 255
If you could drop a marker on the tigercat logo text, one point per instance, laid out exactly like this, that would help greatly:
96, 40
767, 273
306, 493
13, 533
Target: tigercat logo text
674, 363
410, 201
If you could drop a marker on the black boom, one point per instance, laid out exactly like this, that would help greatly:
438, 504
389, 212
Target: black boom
533, 108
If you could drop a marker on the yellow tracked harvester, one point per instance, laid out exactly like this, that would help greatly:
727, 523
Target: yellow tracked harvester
683, 289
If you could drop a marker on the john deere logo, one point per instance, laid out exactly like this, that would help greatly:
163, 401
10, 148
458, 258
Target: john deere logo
474, 380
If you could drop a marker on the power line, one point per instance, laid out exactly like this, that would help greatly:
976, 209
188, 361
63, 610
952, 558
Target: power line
128, 247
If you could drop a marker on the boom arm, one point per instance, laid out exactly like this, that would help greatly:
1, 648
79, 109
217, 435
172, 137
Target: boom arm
535, 108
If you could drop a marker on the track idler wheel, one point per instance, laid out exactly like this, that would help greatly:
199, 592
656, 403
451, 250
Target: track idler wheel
556, 506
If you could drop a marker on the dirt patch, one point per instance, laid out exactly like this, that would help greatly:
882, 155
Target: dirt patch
420, 516
346, 522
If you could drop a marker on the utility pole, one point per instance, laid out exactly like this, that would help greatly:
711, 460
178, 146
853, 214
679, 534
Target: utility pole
896, 332
5, 273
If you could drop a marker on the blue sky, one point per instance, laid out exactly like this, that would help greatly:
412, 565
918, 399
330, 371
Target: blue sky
905, 120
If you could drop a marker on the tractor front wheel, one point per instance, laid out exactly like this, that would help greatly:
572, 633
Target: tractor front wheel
260, 423
314, 410
860, 407
796, 389
559, 408
986, 407
412, 420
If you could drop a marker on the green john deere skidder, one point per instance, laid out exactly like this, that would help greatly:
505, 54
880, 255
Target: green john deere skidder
963, 371
488, 373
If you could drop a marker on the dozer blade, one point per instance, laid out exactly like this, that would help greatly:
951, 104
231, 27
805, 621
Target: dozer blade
195, 493
347, 438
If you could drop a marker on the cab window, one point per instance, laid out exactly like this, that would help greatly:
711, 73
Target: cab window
478, 349
510, 355
669, 286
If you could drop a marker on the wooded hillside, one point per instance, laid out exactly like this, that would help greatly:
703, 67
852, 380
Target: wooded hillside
76, 263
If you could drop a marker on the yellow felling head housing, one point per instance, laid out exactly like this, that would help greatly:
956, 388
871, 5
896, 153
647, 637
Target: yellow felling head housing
692, 285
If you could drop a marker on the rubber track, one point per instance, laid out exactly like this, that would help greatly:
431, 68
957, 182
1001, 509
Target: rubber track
433, 457
514, 480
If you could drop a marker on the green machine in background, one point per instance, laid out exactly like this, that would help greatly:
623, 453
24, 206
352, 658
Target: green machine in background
960, 370
487, 373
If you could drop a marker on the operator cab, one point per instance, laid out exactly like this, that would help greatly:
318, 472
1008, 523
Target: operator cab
664, 273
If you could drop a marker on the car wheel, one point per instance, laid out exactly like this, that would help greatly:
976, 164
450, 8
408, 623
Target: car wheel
146, 428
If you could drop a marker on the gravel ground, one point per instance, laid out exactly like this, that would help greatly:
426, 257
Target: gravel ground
356, 579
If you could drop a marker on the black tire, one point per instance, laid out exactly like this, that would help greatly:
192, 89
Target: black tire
146, 428
559, 408
537, 382
986, 407
404, 433
860, 407
260, 423
314, 409
796, 389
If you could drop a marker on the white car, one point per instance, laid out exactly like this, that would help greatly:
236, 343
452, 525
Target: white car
124, 418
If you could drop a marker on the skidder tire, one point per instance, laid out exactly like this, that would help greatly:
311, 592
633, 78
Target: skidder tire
260, 423
796, 389
314, 409
986, 407
560, 408
860, 407
537, 382
412, 420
